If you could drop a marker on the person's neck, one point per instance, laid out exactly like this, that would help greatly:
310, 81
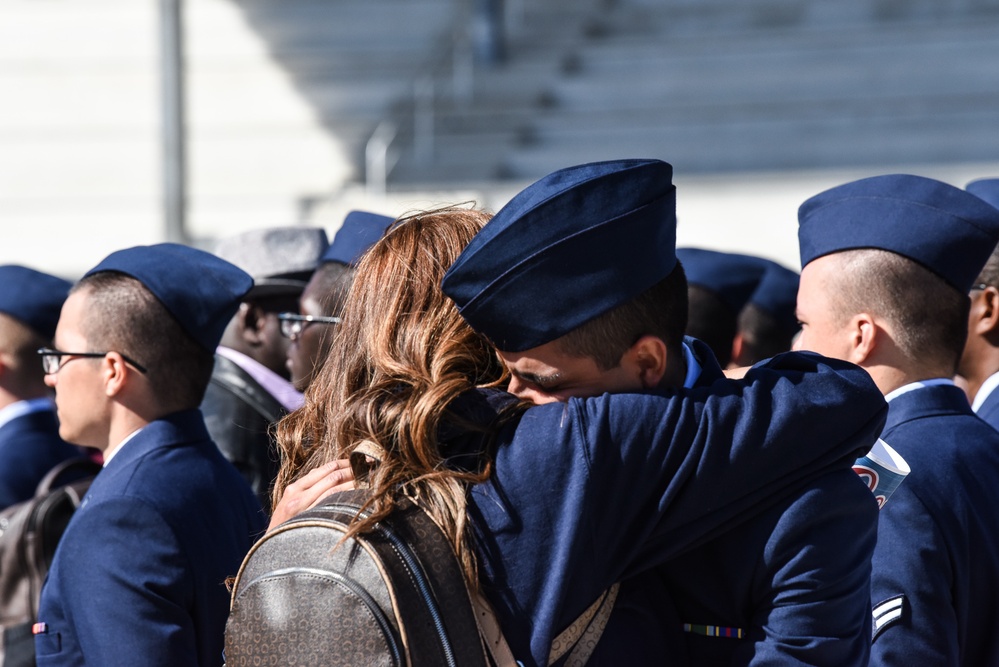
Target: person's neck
128, 416
9, 397
888, 378
676, 372
120, 429
981, 370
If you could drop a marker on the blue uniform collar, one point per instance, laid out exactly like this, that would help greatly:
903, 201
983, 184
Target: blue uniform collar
702, 366
693, 368
27, 407
912, 386
110, 455
985, 391
942, 398
187, 426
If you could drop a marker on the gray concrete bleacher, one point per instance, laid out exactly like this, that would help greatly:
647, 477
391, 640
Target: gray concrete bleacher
352, 59
729, 85
283, 96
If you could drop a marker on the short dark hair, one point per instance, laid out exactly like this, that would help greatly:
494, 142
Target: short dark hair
712, 321
763, 335
330, 283
123, 316
990, 272
659, 311
19, 343
929, 317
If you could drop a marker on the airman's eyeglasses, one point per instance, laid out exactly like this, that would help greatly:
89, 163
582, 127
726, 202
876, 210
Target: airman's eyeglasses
293, 324
52, 359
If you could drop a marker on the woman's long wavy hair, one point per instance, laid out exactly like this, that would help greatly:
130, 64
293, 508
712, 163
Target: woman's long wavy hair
401, 356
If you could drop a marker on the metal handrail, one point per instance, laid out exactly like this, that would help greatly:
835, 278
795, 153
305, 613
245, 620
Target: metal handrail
456, 59
378, 160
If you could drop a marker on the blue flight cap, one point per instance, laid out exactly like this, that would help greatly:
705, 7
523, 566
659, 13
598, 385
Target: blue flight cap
565, 250
360, 230
945, 229
32, 297
200, 290
777, 293
731, 276
985, 188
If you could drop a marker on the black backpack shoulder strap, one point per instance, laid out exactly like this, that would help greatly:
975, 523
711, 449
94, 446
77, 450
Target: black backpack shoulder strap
80, 467
443, 573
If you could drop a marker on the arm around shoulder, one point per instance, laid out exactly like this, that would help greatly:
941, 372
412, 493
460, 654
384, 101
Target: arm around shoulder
817, 562
712, 456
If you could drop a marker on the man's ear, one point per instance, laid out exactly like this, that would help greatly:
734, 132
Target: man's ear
648, 355
115, 372
985, 313
738, 345
251, 318
865, 335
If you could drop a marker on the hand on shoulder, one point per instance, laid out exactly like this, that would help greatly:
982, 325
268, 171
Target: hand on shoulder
309, 490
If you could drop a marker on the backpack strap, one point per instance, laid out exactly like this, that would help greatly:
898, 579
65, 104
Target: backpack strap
364, 457
491, 634
85, 466
580, 637
592, 629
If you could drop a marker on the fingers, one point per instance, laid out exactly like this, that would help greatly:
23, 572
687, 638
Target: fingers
340, 477
316, 476
312, 488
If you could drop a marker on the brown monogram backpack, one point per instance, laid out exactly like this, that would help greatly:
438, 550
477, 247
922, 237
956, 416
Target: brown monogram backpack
29, 533
394, 596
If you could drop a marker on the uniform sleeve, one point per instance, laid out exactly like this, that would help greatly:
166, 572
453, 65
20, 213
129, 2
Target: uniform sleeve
124, 588
815, 594
12, 486
914, 620
597, 490
20, 471
688, 469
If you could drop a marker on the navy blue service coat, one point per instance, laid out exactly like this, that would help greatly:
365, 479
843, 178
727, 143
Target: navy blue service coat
138, 578
788, 586
989, 409
935, 586
600, 490
30, 446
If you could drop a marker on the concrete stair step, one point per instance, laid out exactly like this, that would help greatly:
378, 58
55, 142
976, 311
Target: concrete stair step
763, 145
613, 51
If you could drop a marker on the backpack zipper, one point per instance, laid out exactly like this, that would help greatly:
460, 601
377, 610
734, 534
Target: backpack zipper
418, 575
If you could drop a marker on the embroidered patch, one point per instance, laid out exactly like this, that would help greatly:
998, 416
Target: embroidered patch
886, 614
713, 630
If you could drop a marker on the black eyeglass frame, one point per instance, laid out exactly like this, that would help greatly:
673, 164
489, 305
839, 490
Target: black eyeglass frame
48, 353
293, 324
979, 286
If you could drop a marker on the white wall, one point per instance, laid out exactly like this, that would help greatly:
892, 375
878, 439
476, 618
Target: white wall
80, 165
